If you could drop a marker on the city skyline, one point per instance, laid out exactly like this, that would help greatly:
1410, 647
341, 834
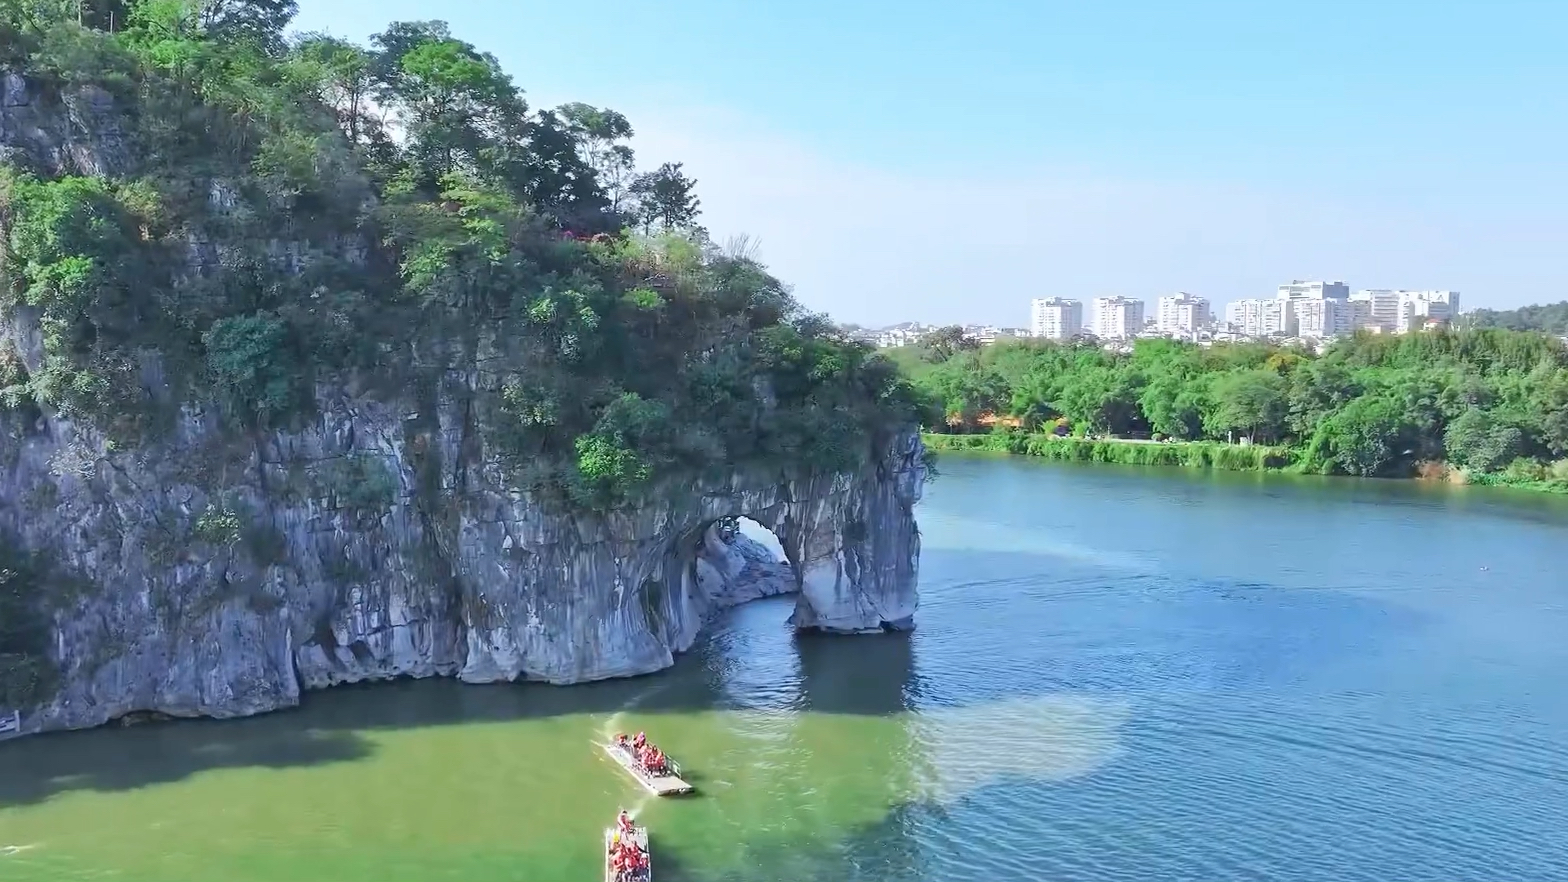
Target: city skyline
1308, 310
1216, 309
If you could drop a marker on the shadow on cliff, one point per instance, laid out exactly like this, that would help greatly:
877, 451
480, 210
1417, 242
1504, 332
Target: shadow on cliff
108, 759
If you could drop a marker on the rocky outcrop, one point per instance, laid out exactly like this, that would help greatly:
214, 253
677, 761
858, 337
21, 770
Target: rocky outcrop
78, 131
221, 575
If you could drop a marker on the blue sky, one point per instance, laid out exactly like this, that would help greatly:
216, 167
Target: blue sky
948, 161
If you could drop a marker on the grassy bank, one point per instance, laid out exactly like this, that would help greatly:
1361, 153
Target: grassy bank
1522, 474
1526, 474
1192, 454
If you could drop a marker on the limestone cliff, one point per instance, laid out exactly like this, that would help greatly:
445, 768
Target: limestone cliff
380, 532
226, 574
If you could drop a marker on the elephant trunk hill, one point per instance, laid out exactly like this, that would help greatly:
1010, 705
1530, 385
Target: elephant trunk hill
288, 401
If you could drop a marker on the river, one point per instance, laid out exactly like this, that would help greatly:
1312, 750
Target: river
1119, 674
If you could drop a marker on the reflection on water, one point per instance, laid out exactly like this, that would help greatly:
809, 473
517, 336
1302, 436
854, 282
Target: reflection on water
1118, 675
873, 674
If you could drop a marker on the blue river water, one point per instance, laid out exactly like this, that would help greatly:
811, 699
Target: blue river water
1273, 678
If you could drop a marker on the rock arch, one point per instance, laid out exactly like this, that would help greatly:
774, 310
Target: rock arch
463, 577
648, 579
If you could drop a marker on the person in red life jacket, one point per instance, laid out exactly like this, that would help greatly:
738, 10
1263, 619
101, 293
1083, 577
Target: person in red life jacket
639, 741
624, 821
620, 740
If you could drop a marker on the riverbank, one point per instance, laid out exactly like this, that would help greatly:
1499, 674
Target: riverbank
1186, 454
1483, 407
1528, 475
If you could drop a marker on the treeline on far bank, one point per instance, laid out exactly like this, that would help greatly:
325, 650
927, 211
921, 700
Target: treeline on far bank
1486, 406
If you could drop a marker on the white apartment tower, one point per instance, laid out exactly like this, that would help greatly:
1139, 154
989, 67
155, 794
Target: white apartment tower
1299, 290
1118, 318
1241, 316
1394, 311
1055, 318
1416, 307
1375, 308
1318, 318
1262, 317
1182, 314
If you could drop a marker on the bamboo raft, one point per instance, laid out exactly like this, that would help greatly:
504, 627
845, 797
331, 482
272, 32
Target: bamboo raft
639, 837
659, 785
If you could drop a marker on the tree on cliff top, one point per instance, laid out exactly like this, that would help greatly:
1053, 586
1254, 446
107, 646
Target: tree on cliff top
666, 199
295, 211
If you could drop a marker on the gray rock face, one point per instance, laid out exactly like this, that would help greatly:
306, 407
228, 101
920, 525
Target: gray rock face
224, 575
80, 132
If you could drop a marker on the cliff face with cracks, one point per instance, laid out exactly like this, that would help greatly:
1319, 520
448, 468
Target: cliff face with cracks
300, 581
220, 573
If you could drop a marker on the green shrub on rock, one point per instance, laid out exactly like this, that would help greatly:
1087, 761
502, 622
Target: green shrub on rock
257, 235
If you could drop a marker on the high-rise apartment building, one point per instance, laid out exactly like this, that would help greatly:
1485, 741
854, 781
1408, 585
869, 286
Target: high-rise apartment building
1055, 318
1240, 316
1299, 290
1418, 307
1375, 308
1262, 317
1318, 318
1397, 311
1182, 314
1117, 318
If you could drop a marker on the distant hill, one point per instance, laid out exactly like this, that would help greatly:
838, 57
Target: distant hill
1551, 318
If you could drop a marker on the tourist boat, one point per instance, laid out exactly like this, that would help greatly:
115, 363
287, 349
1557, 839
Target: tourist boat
668, 784
638, 837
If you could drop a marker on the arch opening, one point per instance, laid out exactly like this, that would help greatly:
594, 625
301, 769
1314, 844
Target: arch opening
750, 529
739, 559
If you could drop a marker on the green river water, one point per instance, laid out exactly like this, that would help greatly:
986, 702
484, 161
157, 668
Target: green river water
1118, 674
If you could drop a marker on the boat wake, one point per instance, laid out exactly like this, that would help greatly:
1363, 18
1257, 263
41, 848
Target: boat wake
9, 850
612, 723
635, 810
611, 726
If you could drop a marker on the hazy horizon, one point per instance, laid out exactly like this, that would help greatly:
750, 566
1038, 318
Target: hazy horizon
919, 162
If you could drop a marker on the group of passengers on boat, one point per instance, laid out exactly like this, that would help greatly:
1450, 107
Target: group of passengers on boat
649, 758
628, 860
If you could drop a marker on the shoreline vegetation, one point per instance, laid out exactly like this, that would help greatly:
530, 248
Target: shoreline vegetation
1474, 406
1119, 451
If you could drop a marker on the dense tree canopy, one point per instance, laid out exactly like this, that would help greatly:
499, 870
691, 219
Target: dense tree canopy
1493, 402
1551, 318
293, 209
